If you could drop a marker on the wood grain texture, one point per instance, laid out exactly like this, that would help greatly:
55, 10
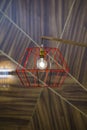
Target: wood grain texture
53, 113
17, 106
76, 95
21, 25
17, 103
63, 19
12, 102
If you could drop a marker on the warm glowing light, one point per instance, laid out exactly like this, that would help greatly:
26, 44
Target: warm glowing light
41, 64
4, 72
5, 76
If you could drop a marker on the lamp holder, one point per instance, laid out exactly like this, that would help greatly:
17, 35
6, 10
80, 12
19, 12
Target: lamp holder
42, 50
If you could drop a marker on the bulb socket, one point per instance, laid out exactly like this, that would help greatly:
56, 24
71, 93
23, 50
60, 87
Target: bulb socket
41, 53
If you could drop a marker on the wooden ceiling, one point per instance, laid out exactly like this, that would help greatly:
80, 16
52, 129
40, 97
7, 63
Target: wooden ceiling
22, 22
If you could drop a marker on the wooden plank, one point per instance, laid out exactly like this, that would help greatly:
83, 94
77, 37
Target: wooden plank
50, 21
52, 112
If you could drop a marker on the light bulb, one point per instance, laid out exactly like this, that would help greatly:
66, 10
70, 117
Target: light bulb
41, 64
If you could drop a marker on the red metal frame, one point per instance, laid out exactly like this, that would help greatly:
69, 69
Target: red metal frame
30, 76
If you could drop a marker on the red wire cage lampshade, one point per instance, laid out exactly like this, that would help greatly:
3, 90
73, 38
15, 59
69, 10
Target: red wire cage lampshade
53, 76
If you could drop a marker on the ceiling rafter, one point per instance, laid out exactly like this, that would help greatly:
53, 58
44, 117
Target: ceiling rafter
38, 45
